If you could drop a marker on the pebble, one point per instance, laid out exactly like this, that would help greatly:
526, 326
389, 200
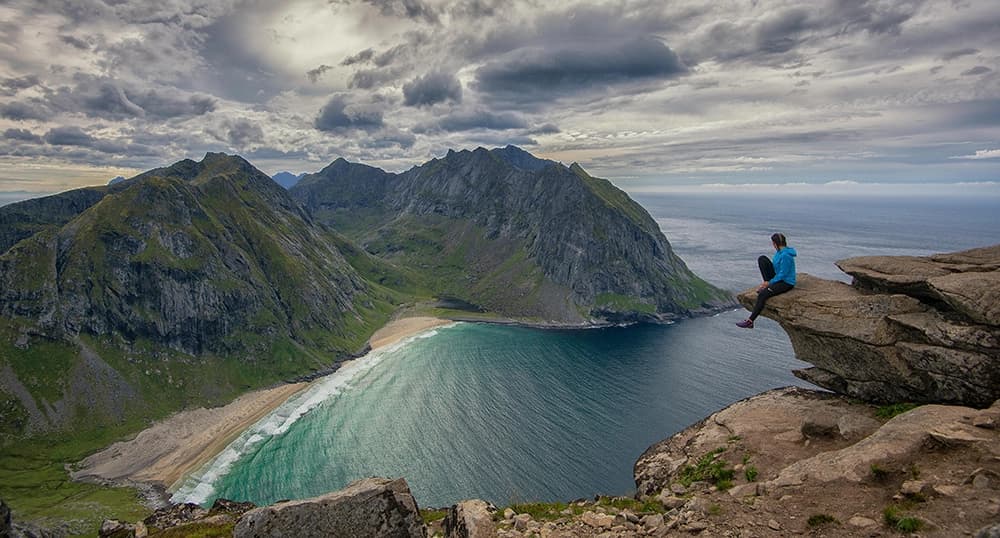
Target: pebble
913, 487
509, 514
946, 490
773, 525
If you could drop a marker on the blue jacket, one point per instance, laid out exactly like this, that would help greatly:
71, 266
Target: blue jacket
784, 266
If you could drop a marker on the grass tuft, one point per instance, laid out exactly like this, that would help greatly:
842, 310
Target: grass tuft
709, 468
430, 515
888, 411
895, 518
817, 520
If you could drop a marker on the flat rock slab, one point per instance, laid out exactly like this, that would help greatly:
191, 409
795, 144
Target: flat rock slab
373, 507
769, 424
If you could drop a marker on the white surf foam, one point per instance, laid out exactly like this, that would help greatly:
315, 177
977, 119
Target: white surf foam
199, 486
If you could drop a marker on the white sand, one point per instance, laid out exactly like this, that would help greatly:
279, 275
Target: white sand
170, 449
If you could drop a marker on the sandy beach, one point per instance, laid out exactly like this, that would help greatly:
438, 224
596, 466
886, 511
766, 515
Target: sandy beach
170, 449
399, 329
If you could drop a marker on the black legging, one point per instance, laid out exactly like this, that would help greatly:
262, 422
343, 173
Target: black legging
779, 287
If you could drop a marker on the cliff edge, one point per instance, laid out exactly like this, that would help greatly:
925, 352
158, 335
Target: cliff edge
915, 329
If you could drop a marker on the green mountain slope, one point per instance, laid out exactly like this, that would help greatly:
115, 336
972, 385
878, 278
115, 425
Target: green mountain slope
207, 272
514, 235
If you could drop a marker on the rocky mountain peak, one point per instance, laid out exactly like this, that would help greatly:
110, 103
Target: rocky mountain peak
579, 249
520, 158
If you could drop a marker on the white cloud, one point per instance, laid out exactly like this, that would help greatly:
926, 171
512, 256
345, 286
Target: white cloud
980, 154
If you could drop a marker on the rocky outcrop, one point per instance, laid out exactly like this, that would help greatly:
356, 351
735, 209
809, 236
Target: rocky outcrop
469, 519
907, 329
373, 507
514, 235
776, 461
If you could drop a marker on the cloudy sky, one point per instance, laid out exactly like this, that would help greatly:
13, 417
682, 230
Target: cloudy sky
645, 92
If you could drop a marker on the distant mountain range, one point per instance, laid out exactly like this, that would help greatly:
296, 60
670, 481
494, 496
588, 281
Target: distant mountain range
194, 282
287, 179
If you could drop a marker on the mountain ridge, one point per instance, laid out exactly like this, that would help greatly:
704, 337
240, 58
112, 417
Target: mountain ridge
567, 236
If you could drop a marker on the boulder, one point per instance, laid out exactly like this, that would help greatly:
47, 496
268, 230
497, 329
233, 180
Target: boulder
920, 329
375, 507
469, 519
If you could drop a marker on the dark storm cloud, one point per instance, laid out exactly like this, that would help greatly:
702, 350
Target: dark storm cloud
548, 73
103, 97
22, 135
411, 9
390, 56
432, 88
978, 70
69, 136
243, 133
948, 56
548, 128
32, 109
15, 84
315, 74
77, 137
473, 120
782, 32
338, 116
366, 79
361, 57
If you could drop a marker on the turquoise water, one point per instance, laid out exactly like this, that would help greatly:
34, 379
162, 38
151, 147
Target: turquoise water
514, 414
500, 413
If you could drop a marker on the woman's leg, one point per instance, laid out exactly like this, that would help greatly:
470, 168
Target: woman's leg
763, 295
766, 267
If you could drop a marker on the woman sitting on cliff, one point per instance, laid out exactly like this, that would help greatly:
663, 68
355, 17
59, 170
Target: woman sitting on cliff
779, 276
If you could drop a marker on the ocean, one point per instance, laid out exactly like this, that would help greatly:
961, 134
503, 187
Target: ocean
511, 414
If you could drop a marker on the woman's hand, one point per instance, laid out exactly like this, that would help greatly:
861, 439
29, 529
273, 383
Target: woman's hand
763, 285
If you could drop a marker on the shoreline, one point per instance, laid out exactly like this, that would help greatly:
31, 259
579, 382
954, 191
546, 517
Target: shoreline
161, 456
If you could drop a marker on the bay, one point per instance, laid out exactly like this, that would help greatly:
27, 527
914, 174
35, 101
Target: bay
513, 414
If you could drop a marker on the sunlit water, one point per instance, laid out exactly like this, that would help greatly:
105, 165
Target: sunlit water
514, 414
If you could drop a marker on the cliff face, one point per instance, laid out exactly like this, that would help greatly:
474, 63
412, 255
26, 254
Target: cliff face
917, 329
513, 234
